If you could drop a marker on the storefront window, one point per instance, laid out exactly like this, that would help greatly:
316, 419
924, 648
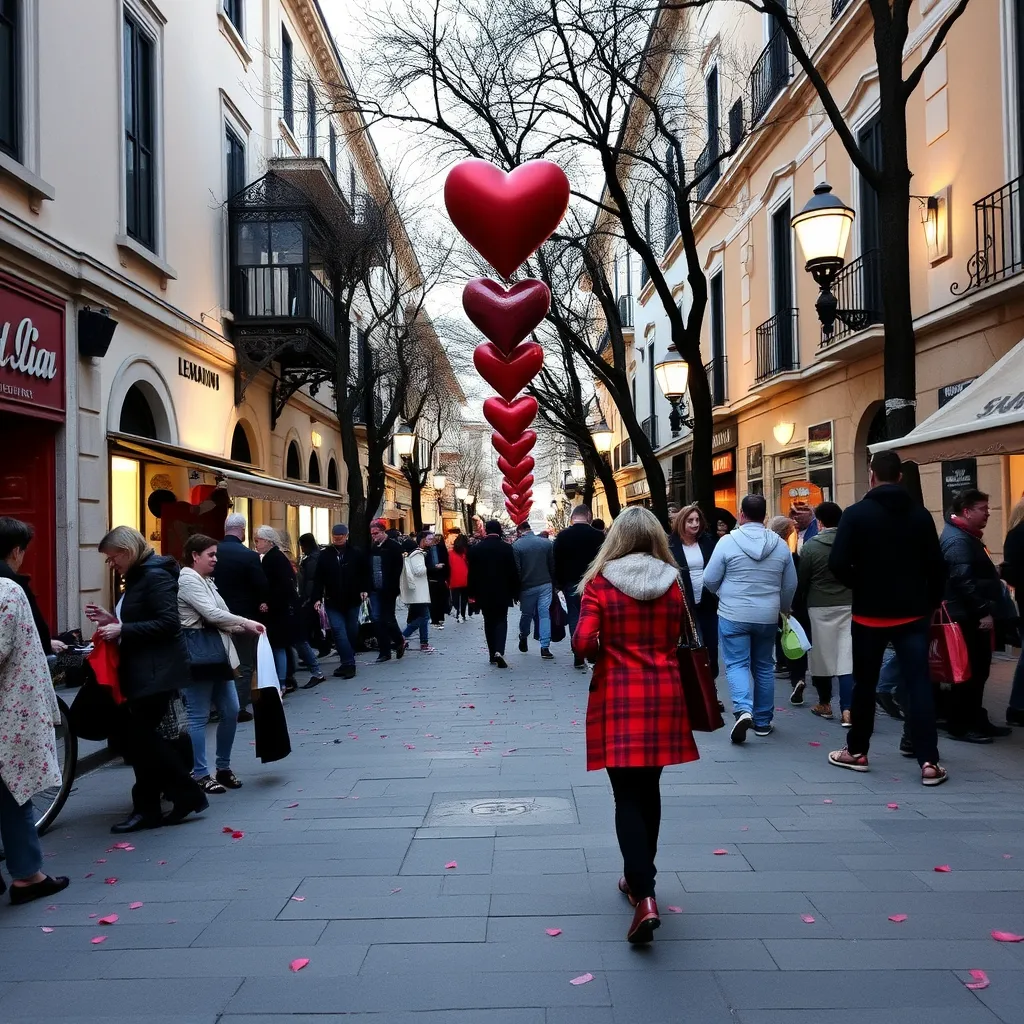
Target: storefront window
305, 520
322, 525
291, 526
124, 492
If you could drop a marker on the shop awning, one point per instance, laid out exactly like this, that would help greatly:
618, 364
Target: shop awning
237, 482
986, 418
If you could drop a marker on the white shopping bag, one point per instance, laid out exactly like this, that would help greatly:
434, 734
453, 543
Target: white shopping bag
265, 676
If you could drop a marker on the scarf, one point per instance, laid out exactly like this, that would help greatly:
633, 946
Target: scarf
963, 525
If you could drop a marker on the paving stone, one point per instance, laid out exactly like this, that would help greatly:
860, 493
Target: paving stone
405, 930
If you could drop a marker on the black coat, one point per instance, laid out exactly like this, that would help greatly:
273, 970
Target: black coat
493, 577
282, 618
240, 578
706, 543
386, 557
37, 616
1013, 561
153, 656
887, 552
305, 578
438, 567
575, 548
342, 574
973, 587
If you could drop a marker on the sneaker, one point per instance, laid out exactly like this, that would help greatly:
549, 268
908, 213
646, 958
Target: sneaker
823, 711
427, 649
971, 736
906, 747
546, 654
844, 759
438, 625
500, 661
797, 696
744, 720
764, 730
523, 646
847, 720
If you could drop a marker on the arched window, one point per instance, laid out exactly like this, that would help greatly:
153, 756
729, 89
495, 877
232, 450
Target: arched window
314, 469
332, 475
137, 415
293, 463
240, 450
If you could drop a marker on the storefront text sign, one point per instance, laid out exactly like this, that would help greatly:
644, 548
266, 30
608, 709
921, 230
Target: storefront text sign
948, 392
724, 438
31, 350
722, 464
199, 374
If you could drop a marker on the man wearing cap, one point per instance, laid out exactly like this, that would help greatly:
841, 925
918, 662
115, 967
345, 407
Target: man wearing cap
341, 583
386, 565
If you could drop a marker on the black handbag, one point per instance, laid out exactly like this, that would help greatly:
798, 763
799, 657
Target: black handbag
206, 654
698, 684
270, 725
92, 712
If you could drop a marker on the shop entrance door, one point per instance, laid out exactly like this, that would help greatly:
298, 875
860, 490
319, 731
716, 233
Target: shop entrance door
28, 493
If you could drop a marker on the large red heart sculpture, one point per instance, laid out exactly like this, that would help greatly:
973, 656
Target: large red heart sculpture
514, 450
506, 217
508, 376
510, 419
506, 317
515, 473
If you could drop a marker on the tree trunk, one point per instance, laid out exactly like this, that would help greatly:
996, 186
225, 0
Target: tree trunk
702, 431
416, 492
611, 488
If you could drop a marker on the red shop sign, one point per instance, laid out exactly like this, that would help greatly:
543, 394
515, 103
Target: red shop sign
31, 350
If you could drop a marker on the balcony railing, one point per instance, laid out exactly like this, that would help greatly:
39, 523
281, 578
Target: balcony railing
278, 292
770, 75
838, 6
708, 165
778, 345
998, 238
650, 429
858, 292
718, 381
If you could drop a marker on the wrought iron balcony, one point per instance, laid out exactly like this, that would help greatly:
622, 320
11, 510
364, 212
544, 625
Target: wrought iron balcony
778, 345
718, 381
998, 238
770, 75
858, 292
650, 429
707, 169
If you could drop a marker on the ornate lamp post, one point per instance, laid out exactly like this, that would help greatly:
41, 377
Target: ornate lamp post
672, 376
404, 441
603, 437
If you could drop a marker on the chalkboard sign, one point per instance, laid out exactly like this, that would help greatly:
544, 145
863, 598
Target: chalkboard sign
958, 475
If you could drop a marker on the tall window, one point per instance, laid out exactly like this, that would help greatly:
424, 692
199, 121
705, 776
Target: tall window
711, 89
234, 155
716, 298
139, 133
233, 10
332, 151
287, 80
310, 119
10, 72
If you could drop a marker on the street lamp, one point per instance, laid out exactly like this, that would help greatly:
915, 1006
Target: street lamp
404, 441
603, 437
823, 229
569, 484
470, 498
439, 481
579, 471
672, 375
460, 493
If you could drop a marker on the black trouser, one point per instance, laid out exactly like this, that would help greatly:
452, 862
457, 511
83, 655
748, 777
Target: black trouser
637, 822
965, 699
245, 648
388, 632
157, 763
460, 601
495, 629
707, 623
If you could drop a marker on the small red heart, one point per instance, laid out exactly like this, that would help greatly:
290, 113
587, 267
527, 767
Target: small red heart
514, 450
509, 489
506, 317
508, 376
510, 419
515, 473
506, 217
516, 492
517, 514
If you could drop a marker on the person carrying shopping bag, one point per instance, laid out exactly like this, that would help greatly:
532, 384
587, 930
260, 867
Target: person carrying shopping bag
213, 661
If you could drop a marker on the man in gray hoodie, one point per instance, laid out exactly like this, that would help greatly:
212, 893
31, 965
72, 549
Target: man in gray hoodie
751, 571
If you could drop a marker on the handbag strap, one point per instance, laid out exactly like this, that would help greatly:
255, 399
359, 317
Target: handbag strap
688, 628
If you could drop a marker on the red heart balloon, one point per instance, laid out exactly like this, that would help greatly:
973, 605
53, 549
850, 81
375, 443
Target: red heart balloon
524, 485
506, 217
508, 376
525, 496
506, 317
515, 473
510, 419
514, 450
519, 515
509, 489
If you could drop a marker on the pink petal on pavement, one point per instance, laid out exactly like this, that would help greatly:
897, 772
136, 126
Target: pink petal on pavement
893, 807
135, 906
675, 910
552, 931
451, 865
92, 917
980, 980
109, 919
897, 918
807, 919
110, 881
299, 899
582, 979
290, 806
161, 862
393, 891
237, 835
88, 875
122, 846
1007, 937
47, 930
814, 743
826, 801
721, 853
297, 965
227, 829
98, 940
943, 869
100, 860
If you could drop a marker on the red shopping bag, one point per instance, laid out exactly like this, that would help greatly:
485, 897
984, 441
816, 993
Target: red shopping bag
947, 650
105, 660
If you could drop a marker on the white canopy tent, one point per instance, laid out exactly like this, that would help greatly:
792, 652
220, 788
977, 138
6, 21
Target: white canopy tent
986, 418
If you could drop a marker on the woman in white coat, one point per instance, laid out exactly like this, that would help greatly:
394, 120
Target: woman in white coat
28, 748
414, 589
201, 606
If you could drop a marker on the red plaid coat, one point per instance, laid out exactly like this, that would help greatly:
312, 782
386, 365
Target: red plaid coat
636, 717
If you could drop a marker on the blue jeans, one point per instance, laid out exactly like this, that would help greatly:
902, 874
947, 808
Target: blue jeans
535, 602
889, 678
748, 651
823, 684
198, 697
345, 629
573, 601
307, 657
22, 849
419, 618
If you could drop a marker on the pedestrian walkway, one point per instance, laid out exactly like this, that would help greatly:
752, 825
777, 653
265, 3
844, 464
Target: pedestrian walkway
435, 820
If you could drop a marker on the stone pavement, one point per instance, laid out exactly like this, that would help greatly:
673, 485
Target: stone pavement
350, 845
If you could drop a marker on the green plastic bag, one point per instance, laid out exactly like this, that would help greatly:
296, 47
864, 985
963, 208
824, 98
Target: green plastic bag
794, 640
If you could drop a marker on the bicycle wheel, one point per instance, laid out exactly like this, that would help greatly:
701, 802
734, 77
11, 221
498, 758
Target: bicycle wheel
48, 802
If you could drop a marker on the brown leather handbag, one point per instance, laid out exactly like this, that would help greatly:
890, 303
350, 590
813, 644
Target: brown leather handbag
695, 676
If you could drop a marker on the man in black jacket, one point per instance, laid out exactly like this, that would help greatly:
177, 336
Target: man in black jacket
974, 593
342, 583
574, 549
385, 574
242, 583
886, 551
494, 585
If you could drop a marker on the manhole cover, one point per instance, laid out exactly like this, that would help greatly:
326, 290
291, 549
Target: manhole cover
543, 809
500, 807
